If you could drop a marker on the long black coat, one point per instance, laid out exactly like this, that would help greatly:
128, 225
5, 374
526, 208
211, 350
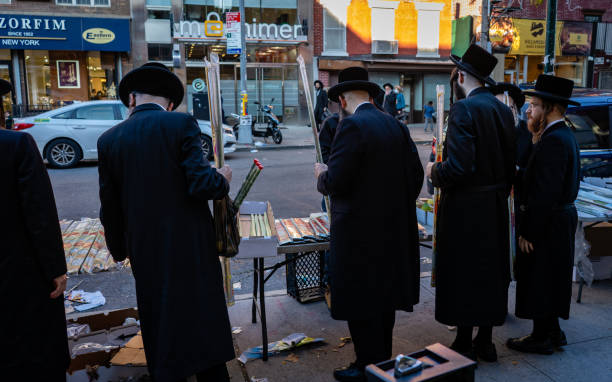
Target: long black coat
155, 184
32, 325
390, 103
374, 177
548, 220
320, 105
473, 261
327, 134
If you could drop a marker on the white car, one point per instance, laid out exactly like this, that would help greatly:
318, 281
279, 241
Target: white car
69, 134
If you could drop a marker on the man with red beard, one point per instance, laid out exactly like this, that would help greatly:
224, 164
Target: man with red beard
547, 218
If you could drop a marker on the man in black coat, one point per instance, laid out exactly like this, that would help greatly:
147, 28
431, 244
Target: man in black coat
472, 243
32, 267
321, 102
374, 262
155, 184
548, 218
390, 100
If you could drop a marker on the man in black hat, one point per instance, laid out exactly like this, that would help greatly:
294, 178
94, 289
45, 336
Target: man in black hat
475, 176
516, 100
390, 100
155, 184
547, 219
31, 260
371, 152
321, 102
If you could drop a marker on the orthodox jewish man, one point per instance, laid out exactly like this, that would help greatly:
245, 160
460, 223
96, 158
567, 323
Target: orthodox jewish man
547, 218
370, 152
475, 176
321, 102
155, 184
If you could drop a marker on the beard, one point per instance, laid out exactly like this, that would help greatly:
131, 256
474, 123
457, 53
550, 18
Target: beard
536, 127
458, 91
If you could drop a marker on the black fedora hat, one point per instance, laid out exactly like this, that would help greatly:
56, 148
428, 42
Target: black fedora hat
389, 85
553, 88
5, 87
353, 78
513, 91
155, 79
478, 62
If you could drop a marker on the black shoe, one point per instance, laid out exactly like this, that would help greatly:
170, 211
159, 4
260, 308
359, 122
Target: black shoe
558, 339
350, 373
468, 353
529, 344
485, 351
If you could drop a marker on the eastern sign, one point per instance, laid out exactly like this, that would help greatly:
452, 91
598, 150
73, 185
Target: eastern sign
64, 33
212, 29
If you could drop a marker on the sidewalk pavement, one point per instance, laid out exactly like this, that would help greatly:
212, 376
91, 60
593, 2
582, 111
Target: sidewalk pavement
587, 357
300, 137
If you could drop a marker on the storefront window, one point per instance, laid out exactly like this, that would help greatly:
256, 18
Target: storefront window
5, 56
571, 67
101, 72
38, 77
160, 52
269, 54
265, 11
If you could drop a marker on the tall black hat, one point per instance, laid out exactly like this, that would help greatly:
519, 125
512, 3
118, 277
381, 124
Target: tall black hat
155, 79
478, 62
5, 87
552, 88
513, 91
353, 78
389, 85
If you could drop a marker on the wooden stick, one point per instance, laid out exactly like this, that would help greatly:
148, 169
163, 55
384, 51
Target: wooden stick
437, 191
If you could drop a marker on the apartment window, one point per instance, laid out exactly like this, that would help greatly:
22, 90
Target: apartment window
334, 34
85, 3
428, 28
160, 52
5, 1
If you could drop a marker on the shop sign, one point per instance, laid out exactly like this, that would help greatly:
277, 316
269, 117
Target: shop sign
64, 33
198, 85
530, 37
576, 38
213, 29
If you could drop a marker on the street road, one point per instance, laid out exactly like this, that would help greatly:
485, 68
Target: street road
287, 181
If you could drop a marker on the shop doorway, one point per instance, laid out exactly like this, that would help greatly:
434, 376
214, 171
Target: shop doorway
271, 84
5, 74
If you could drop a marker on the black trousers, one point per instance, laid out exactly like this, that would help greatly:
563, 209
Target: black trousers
373, 338
217, 373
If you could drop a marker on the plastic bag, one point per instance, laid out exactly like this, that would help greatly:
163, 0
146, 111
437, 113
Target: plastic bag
91, 347
75, 330
583, 264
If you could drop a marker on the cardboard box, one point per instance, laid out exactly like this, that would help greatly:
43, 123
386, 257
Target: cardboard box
262, 246
599, 237
106, 328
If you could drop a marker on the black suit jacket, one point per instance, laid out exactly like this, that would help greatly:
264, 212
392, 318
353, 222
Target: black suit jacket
155, 184
472, 239
327, 134
390, 103
374, 177
33, 325
320, 105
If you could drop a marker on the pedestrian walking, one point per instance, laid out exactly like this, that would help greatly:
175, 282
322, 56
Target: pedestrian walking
429, 111
321, 103
390, 100
32, 265
368, 262
547, 219
475, 177
401, 101
155, 184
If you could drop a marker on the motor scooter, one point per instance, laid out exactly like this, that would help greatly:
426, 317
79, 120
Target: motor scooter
270, 126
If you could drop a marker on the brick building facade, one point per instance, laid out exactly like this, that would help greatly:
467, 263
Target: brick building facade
404, 43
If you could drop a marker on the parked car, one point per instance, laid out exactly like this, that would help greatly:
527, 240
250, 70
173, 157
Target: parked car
70, 134
592, 121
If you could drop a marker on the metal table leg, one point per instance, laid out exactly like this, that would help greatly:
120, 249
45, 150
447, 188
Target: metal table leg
255, 285
262, 308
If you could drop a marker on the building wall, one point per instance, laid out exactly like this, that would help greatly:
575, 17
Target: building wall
570, 10
466, 8
117, 8
359, 28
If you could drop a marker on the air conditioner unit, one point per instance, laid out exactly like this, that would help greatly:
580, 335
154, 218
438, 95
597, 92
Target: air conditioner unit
384, 47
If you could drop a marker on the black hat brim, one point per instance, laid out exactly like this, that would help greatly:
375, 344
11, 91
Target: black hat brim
461, 65
5, 87
154, 81
514, 92
335, 91
550, 97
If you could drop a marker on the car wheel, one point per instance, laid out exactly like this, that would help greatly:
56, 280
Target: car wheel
63, 153
207, 147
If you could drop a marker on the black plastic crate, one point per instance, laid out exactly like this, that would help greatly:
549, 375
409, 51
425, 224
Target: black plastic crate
305, 275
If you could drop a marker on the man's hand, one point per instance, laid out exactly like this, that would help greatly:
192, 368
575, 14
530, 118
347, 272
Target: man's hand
226, 171
524, 245
60, 286
429, 168
319, 168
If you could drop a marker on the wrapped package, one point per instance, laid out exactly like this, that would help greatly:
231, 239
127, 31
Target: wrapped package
291, 229
80, 248
304, 228
283, 236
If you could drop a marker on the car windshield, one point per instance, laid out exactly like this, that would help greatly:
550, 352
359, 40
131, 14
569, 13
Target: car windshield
592, 126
